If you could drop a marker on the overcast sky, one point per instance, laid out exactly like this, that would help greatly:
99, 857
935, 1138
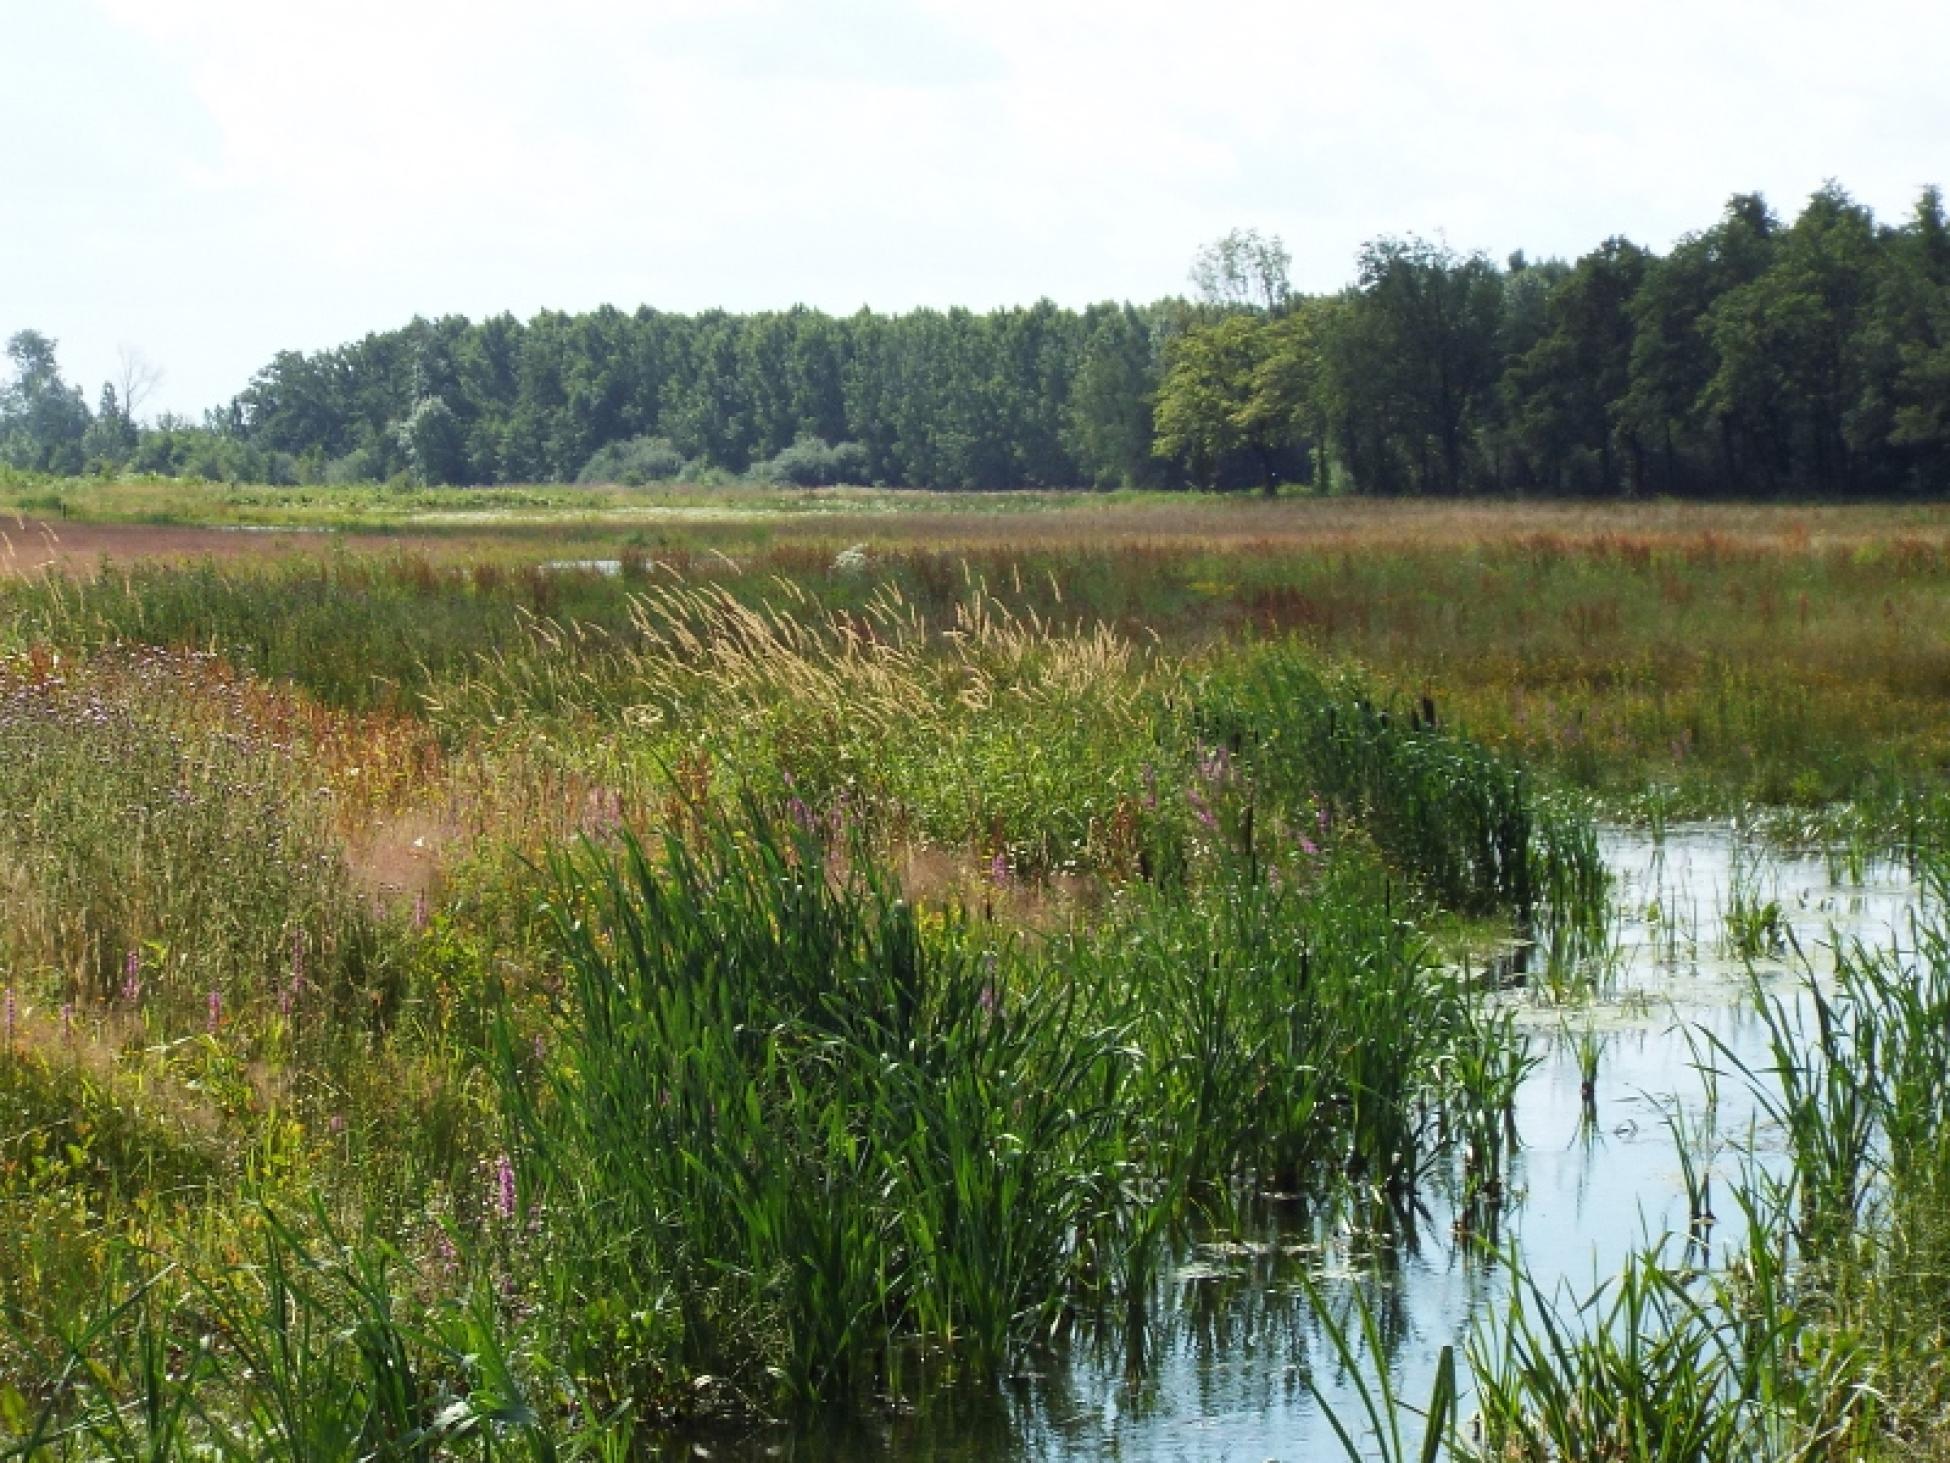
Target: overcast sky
211, 181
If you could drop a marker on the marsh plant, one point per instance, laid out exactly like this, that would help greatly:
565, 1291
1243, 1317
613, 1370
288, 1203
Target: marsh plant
793, 1134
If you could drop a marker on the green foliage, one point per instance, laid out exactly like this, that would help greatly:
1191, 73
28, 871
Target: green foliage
146, 851
1453, 814
1752, 359
43, 421
1205, 404
633, 463
811, 463
783, 1122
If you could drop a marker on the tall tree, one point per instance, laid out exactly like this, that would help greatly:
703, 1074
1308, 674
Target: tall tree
42, 418
1567, 387
1435, 315
1244, 270
1109, 430
1790, 364
1215, 413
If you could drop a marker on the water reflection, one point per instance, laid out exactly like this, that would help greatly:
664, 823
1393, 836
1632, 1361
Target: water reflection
1626, 1131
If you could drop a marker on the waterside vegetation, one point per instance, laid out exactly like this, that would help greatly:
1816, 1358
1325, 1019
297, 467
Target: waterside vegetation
464, 1001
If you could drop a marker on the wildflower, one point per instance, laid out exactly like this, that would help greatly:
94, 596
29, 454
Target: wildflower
504, 1187
337, 1124
132, 977
602, 812
420, 911
11, 1015
67, 1020
1215, 766
999, 869
1202, 810
216, 1009
289, 996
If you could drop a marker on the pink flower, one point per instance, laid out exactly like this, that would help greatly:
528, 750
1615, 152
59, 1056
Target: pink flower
132, 977
504, 1187
216, 1010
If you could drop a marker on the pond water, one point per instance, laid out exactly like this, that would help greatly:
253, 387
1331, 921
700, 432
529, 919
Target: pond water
608, 568
1218, 1370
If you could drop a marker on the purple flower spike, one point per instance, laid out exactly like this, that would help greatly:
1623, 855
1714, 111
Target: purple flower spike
504, 1187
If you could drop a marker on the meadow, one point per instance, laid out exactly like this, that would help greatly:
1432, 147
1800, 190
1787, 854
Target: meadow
584, 975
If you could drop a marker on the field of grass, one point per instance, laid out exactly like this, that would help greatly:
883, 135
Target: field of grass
461, 998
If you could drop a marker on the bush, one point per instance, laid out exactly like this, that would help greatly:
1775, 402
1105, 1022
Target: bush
634, 462
813, 463
357, 466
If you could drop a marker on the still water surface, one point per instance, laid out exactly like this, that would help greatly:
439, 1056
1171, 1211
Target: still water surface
1219, 1370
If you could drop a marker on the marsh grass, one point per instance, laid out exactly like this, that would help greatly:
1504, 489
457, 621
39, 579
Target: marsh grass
1821, 1336
846, 1144
825, 983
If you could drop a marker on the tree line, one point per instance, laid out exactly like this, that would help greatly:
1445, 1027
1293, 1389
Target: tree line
1757, 357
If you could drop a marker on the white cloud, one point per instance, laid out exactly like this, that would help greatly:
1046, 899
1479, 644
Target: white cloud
339, 167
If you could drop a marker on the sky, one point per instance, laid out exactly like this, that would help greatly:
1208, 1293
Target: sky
208, 182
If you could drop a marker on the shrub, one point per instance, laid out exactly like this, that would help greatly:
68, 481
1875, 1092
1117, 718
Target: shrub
813, 463
634, 462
